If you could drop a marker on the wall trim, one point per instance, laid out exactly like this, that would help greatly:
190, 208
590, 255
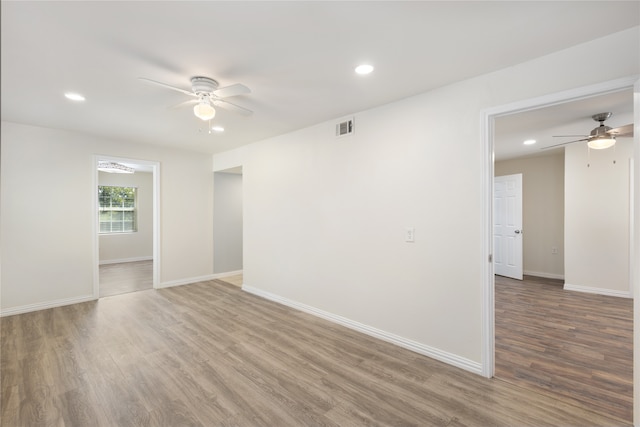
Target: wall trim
187, 281
68, 301
228, 273
123, 260
599, 291
425, 350
197, 279
45, 305
544, 275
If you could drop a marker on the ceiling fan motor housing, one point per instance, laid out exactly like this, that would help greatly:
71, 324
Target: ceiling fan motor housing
602, 129
203, 85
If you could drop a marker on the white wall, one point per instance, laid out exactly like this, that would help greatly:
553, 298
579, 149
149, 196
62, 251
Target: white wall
48, 247
325, 217
227, 222
542, 211
597, 208
123, 247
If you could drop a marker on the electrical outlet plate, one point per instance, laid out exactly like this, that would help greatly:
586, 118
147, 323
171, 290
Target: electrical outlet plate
409, 234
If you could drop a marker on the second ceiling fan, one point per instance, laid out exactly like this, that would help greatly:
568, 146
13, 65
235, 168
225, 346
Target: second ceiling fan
600, 137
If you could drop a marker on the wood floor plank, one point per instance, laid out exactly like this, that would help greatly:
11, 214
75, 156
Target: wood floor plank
576, 346
209, 354
120, 278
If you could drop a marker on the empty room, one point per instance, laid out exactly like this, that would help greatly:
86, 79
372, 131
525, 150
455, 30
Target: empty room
237, 213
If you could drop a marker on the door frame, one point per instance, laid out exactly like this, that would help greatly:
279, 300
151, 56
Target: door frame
487, 123
156, 218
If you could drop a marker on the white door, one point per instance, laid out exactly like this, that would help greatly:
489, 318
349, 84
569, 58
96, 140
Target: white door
507, 225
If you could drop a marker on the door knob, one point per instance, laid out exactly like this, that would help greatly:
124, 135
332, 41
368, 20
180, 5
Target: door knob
518, 231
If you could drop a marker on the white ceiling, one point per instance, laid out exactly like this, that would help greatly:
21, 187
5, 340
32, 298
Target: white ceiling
297, 58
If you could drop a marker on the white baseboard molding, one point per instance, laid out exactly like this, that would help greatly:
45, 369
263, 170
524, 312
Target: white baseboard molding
228, 273
45, 305
123, 260
414, 346
599, 291
190, 280
187, 281
544, 275
68, 301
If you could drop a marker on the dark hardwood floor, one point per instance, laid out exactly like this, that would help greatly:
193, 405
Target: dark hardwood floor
116, 279
575, 346
209, 354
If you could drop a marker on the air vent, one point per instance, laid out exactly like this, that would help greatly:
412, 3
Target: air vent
344, 128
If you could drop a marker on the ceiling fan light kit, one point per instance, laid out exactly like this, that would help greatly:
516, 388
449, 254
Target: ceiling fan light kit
602, 142
204, 110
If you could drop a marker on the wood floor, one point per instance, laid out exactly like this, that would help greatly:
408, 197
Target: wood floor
116, 279
574, 345
209, 354
235, 280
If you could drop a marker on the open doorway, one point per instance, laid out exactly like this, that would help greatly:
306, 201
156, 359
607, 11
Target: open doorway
517, 305
126, 237
227, 225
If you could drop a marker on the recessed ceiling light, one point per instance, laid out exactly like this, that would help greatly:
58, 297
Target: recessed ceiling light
217, 129
364, 69
529, 142
74, 96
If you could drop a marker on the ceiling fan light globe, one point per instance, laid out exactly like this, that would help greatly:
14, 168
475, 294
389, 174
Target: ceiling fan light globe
601, 143
204, 111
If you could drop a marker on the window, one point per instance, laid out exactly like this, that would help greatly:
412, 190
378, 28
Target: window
117, 209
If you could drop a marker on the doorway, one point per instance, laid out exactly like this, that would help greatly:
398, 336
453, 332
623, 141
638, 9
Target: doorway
228, 225
489, 122
126, 235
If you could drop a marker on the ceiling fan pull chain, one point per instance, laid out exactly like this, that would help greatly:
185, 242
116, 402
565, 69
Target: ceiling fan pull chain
614, 154
588, 156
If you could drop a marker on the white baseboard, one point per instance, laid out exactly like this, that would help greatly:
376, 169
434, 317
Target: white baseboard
544, 275
228, 273
599, 291
45, 305
68, 301
122, 260
414, 346
187, 281
190, 280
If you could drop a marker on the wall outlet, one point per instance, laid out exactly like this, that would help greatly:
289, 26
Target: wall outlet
409, 234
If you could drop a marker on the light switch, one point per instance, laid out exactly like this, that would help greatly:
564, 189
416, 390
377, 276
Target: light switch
409, 234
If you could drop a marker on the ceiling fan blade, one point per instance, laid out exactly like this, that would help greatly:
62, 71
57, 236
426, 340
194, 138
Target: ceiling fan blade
233, 90
186, 92
184, 104
626, 130
232, 107
568, 136
564, 143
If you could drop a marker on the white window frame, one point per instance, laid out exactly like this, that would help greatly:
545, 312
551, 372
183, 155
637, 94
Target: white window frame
122, 209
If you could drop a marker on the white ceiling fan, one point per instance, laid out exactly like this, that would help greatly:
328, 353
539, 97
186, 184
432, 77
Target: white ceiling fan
207, 94
600, 137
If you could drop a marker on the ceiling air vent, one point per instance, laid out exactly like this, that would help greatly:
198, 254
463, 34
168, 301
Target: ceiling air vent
344, 128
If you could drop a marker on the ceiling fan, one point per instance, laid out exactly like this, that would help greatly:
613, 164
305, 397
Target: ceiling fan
207, 94
600, 137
